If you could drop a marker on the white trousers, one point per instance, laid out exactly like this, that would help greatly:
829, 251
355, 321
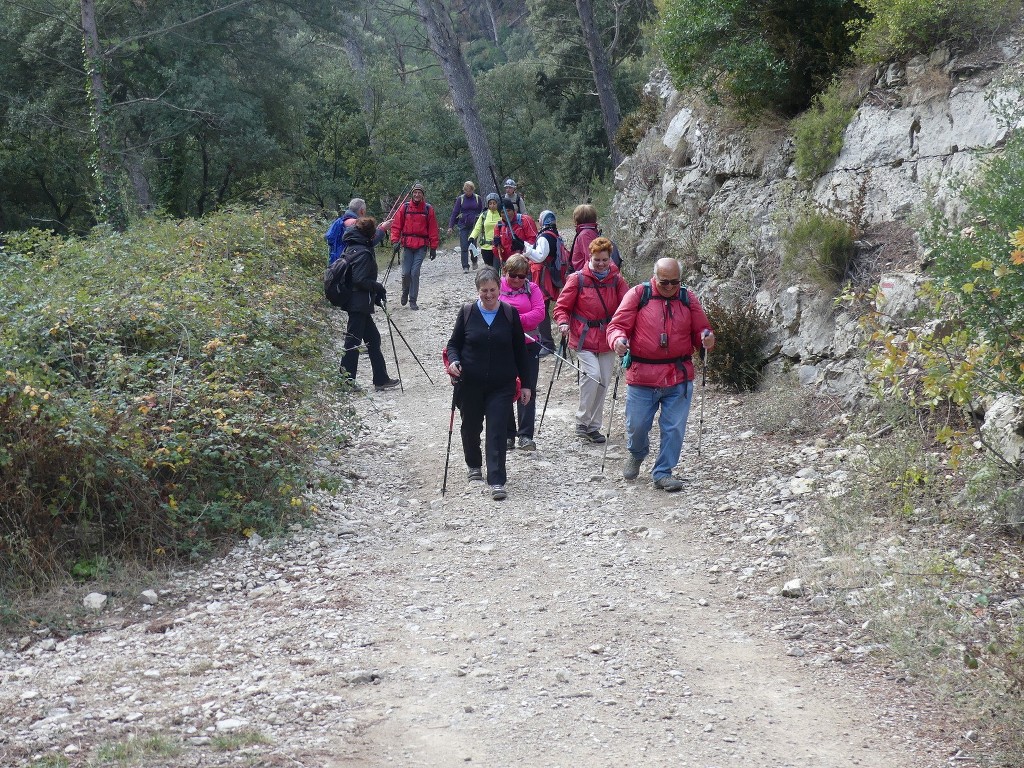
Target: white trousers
590, 414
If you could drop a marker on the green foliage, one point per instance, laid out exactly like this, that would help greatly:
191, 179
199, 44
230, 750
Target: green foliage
246, 737
978, 291
756, 56
898, 27
136, 749
819, 246
741, 333
819, 131
157, 391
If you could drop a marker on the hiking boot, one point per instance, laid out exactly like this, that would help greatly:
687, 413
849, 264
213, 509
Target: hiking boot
669, 483
387, 384
595, 436
527, 444
413, 304
510, 444
631, 467
582, 432
498, 492
476, 474
544, 350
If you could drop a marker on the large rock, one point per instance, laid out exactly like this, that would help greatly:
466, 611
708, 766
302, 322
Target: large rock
1004, 427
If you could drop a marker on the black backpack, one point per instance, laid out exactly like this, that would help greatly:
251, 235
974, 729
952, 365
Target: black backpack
338, 281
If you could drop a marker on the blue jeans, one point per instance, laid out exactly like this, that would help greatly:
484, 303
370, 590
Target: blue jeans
641, 405
412, 262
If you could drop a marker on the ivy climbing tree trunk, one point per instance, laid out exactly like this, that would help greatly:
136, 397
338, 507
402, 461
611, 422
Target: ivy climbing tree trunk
446, 46
112, 207
602, 70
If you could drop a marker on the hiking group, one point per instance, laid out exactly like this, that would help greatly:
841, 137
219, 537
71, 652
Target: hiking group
529, 277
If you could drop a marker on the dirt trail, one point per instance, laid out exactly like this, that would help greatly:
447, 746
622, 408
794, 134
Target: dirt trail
584, 621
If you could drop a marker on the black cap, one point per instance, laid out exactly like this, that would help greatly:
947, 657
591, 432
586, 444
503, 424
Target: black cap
507, 203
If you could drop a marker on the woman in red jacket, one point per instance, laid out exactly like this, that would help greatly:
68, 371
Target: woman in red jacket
584, 308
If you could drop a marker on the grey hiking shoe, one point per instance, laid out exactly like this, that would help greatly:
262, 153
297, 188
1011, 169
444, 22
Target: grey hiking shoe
498, 492
385, 385
476, 474
527, 444
631, 467
669, 483
595, 436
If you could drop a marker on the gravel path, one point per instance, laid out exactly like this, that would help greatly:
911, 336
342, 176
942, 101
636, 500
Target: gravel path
584, 621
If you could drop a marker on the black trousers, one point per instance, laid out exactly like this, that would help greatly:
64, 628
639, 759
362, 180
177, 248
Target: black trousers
527, 413
480, 403
361, 328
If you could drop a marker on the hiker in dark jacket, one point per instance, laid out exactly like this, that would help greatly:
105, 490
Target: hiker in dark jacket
486, 353
465, 212
366, 292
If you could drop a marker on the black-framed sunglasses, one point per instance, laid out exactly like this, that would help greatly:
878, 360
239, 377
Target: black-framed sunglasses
517, 277
669, 282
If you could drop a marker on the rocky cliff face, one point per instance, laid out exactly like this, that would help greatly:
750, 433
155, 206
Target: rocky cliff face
720, 195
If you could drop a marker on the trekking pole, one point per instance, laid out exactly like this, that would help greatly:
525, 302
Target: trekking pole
387, 272
611, 414
398, 201
554, 374
394, 349
703, 386
391, 324
451, 427
566, 360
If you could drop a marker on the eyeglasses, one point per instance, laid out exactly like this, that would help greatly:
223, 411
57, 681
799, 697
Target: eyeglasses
668, 282
517, 277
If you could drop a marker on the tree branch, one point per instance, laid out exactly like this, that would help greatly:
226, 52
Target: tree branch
153, 33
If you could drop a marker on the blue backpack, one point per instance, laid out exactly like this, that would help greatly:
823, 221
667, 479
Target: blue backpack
335, 235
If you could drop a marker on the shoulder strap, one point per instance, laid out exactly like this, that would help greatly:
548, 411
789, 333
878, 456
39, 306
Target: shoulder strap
645, 297
510, 313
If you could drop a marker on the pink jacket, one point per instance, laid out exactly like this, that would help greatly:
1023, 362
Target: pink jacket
682, 326
529, 303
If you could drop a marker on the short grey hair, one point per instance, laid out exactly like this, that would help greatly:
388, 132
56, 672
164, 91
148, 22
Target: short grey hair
487, 275
357, 205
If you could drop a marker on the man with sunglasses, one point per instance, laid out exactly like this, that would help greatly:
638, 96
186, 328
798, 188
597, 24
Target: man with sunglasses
657, 327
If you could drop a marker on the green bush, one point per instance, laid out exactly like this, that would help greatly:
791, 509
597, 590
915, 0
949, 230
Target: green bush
741, 333
820, 247
157, 386
756, 56
819, 132
635, 125
897, 27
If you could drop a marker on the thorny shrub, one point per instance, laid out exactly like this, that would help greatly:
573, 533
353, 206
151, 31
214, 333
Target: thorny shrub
741, 333
157, 385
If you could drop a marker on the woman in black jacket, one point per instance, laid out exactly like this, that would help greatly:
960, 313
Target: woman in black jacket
366, 292
486, 353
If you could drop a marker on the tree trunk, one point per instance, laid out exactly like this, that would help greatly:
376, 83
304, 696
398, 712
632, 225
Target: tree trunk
445, 45
602, 76
112, 207
489, 4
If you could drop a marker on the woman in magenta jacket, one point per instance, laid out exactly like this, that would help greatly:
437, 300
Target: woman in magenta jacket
585, 306
528, 300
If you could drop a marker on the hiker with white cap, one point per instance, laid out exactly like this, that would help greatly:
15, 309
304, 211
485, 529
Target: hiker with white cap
515, 197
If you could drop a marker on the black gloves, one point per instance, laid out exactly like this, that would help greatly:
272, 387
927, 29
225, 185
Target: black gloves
380, 295
472, 241
433, 253
518, 244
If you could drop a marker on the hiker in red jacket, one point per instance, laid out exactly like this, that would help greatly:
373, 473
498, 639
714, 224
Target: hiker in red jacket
659, 324
521, 239
415, 229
